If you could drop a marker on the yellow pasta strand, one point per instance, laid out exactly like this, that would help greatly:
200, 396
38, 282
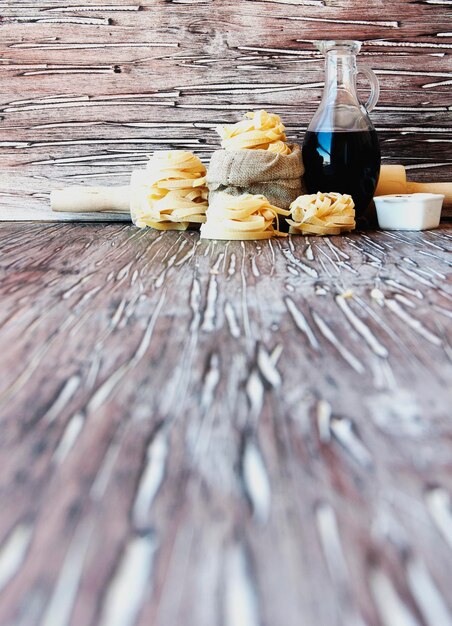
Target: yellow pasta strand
171, 193
279, 147
258, 130
244, 217
322, 214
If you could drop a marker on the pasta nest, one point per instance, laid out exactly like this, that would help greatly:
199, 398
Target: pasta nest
243, 217
322, 214
172, 193
258, 130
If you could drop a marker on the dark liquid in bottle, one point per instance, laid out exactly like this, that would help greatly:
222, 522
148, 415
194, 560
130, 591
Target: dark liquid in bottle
346, 162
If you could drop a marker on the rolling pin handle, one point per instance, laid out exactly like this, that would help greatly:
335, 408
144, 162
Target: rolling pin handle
91, 199
444, 188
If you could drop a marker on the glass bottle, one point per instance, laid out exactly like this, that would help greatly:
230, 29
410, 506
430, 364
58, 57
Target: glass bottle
340, 149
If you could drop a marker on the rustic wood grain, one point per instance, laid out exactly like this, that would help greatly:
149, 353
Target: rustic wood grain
88, 89
206, 433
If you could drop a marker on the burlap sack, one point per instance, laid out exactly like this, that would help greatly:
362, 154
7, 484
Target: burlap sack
276, 176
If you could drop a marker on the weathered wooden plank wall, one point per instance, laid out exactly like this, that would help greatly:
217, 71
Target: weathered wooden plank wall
88, 89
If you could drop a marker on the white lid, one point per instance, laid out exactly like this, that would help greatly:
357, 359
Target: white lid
407, 197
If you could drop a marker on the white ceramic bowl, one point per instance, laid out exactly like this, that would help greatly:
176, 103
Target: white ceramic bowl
409, 211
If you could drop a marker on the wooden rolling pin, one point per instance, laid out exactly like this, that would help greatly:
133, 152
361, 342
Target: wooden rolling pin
178, 173
118, 199
80, 199
171, 196
393, 180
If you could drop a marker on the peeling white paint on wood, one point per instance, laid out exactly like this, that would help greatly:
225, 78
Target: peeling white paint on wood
130, 583
13, 552
391, 608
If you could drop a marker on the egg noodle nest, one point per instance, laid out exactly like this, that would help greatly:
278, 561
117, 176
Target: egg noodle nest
171, 193
243, 217
258, 130
322, 214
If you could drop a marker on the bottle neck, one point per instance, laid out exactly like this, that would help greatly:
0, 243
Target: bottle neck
340, 78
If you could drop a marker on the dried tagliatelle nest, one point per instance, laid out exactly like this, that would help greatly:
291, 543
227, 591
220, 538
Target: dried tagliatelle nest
171, 194
243, 217
258, 130
322, 214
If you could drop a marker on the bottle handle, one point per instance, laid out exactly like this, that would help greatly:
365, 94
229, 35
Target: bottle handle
374, 88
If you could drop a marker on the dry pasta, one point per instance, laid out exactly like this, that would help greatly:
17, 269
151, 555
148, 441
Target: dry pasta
279, 147
171, 194
258, 130
322, 214
242, 217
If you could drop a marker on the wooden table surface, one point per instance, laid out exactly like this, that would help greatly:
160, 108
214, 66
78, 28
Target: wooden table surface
235, 434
